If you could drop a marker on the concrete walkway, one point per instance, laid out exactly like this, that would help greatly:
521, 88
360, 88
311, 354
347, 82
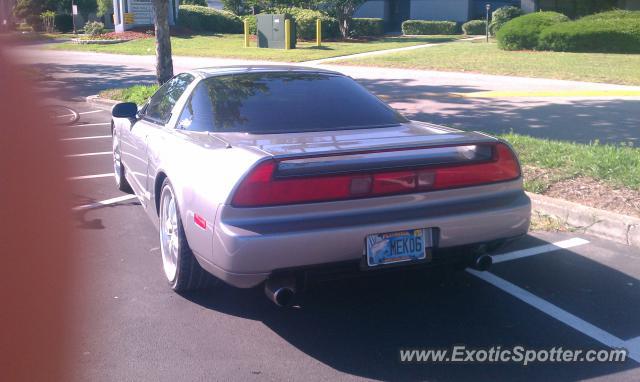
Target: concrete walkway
381, 52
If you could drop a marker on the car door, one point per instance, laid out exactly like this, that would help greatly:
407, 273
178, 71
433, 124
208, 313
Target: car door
153, 118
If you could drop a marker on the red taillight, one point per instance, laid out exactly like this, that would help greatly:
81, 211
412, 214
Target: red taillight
262, 188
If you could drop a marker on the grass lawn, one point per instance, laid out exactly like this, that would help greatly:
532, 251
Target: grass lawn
137, 93
618, 166
231, 46
481, 57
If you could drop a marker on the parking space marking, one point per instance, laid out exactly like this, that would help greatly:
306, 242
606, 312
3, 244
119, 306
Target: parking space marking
90, 176
93, 111
91, 124
85, 138
558, 313
105, 202
574, 242
88, 154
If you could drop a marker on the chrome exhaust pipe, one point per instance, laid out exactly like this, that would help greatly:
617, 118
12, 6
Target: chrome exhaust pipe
483, 263
280, 291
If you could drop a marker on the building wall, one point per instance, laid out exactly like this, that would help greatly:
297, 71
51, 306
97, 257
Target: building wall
454, 10
528, 5
632, 5
374, 8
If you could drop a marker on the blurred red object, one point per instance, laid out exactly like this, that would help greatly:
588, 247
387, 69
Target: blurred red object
35, 237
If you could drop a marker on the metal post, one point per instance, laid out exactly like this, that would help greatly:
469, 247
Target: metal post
488, 6
74, 12
318, 32
246, 33
287, 34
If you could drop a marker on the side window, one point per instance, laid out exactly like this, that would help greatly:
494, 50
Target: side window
161, 104
197, 114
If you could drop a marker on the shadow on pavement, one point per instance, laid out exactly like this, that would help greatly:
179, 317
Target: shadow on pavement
75, 82
358, 326
608, 121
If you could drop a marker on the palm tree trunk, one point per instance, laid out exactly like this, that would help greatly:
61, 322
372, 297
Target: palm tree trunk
164, 62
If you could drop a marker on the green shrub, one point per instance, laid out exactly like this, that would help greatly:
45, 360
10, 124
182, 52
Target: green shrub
523, 32
501, 16
475, 27
93, 28
202, 3
613, 15
136, 93
253, 23
204, 19
305, 20
64, 22
410, 27
367, 27
603, 34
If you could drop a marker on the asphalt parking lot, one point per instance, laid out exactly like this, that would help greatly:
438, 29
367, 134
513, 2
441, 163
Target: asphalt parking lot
547, 290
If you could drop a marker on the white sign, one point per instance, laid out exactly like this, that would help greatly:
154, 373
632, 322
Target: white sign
142, 10
74, 9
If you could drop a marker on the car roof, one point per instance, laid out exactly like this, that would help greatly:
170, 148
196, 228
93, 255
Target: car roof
244, 69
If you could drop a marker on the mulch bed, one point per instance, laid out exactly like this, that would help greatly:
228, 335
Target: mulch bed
588, 191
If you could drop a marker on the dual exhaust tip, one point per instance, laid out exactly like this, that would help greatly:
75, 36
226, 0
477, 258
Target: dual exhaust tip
282, 291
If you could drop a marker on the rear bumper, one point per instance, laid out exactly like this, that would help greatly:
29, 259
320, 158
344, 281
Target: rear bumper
247, 251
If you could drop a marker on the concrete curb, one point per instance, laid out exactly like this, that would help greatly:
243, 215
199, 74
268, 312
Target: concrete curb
101, 103
604, 224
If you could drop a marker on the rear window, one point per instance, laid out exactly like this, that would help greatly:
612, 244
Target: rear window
279, 102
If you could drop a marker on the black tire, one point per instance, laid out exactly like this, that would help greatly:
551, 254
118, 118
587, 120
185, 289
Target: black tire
189, 275
118, 168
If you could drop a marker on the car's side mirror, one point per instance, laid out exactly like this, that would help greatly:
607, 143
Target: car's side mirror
125, 110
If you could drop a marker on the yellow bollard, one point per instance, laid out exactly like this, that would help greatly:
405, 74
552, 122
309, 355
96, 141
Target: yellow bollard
246, 33
318, 32
287, 34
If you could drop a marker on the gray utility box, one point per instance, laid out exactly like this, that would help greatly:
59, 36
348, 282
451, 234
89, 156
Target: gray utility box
271, 31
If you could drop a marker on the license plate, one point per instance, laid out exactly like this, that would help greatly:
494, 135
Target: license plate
395, 247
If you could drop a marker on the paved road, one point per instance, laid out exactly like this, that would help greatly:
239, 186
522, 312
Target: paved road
421, 95
133, 327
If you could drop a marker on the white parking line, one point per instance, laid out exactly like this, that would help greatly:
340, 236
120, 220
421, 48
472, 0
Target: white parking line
88, 154
92, 111
104, 202
559, 314
91, 124
83, 138
90, 176
538, 250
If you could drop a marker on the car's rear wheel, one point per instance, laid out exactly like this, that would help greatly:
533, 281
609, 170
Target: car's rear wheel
118, 168
180, 266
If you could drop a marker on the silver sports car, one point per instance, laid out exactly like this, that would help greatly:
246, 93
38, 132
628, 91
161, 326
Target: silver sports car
265, 173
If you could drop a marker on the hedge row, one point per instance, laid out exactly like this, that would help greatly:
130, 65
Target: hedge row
202, 3
607, 32
422, 27
617, 32
501, 16
367, 27
523, 32
474, 27
204, 19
